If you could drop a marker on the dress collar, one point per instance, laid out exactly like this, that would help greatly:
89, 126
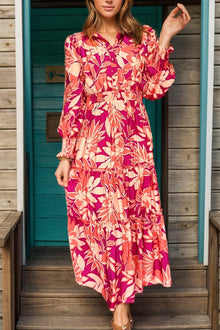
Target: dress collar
118, 37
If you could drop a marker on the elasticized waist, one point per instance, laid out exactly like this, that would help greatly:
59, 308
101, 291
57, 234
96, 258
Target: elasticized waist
115, 94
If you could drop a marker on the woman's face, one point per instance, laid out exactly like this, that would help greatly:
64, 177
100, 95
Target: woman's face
108, 8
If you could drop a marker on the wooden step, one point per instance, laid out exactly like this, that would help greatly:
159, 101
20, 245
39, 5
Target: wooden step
82, 300
36, 278
158, 322
49, 267
55, 256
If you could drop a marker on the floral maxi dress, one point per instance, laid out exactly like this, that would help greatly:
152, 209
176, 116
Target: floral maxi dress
116, 229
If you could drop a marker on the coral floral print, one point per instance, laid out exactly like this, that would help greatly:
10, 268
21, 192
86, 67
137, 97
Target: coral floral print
116, 227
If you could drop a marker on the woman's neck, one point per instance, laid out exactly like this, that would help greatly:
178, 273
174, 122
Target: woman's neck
108, 26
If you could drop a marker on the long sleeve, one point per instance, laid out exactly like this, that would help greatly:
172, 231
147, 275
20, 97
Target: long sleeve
72, 112
158, 74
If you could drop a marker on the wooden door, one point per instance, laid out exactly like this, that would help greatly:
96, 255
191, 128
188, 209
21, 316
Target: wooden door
49, 27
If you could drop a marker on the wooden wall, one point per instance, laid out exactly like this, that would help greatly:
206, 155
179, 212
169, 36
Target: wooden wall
183, 160
183, 140
216, 116
8, 196
216, 119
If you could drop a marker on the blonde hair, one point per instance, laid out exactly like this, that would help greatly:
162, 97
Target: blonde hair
127, 22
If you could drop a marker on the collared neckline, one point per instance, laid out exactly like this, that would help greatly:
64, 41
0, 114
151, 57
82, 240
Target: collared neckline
118, 37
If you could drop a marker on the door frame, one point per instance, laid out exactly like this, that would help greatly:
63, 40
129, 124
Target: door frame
206, 129
24, 97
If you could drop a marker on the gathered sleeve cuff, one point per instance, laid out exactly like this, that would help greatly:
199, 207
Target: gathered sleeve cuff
72, 114
158, 74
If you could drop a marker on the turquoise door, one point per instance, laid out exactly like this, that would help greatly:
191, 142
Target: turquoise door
49, 27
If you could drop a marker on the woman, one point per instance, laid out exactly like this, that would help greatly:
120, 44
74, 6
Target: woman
116, 228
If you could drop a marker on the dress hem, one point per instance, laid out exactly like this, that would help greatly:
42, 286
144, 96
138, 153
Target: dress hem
129, 300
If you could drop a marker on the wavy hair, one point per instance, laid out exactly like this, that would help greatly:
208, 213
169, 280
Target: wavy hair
127, 22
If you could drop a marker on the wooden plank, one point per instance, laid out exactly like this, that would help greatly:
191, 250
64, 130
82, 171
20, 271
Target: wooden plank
182, 218
43, 200
217, 8
1, 312
12, 220
4, 236
4, 215
214, 217
55, 229
177, 97
8, 139
183, 137
183, 232
187, 70
165, 322
183, 203
7, 11
185, 116
88, 294
8, 200
8, 77
216, 96
8, 179
183, 250
217, 51
216, 43
8, 98
7, 2
215, 180
35, 280
53, 103
213, 277
184, 301
182, 42
184, 158
215, 200
217, 25
9, 157
7, 59
7, 224
7, 45
215, 158
216, 139
216, 117
8, 118
17, 266
7, 28
58, 257
182, 180
217, 75
8, 284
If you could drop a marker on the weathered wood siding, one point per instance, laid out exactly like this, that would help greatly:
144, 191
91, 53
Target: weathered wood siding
215, 203
183, 140
184, 116
216, 116
8, 195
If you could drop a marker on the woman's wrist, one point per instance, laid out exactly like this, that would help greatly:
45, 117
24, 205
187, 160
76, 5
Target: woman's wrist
64, 158
164, 39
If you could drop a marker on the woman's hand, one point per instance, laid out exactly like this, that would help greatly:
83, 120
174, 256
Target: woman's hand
172, 25
62, 172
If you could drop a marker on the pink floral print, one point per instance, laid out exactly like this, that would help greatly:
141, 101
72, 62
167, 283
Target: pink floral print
116, 229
